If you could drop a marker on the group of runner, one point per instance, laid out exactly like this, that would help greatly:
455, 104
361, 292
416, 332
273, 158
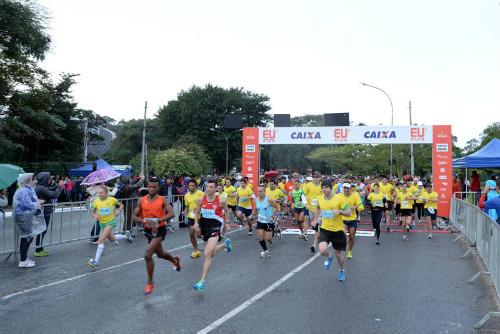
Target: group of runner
331, 206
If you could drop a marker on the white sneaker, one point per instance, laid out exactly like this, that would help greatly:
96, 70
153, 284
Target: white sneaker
26, 264
267, 253
129, 236
429, 236
250, 232
116, 242
262, 254
405, 237
31, 261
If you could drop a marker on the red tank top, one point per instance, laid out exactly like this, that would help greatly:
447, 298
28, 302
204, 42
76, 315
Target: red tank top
212, 210
153, 208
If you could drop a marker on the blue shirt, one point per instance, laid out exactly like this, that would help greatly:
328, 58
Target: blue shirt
264, 210
493, 204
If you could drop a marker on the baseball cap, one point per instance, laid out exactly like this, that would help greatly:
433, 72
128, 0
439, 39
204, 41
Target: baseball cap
347, 185
309, 178
491, 184
420, 183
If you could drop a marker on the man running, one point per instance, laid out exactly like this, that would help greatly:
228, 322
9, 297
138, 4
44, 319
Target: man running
231, 194
387, 189
299, 203
332, 227
313, 193
266, 210
431, 199
246, 204
153, 211
352, 200
209, 221
377, 202
405, 200
191, 202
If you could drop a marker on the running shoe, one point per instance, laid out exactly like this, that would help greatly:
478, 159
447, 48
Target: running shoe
341, 276
196, 254
116, 242
270, 242
313, 249
405, 237
378, 242
42, 253
178, 266
26, 264
429, 236
129, 236
267, 254
305, 237
148, 289
92, 264
349, 254
250, 232
200, 286
262, 254
328, 263
228, 245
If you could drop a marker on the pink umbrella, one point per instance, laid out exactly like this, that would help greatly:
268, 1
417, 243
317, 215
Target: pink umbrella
100, 176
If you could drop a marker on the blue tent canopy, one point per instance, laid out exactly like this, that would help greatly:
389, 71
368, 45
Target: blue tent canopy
87, 169
486, 157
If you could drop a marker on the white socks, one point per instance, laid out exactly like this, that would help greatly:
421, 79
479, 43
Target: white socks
98, 253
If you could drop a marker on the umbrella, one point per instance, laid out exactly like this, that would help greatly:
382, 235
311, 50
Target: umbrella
9, 174
271, 174
100, 176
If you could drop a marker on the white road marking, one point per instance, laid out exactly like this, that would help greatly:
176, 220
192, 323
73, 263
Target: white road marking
255, 298
91, 273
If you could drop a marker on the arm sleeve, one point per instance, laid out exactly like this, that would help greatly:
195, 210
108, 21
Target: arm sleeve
482, 201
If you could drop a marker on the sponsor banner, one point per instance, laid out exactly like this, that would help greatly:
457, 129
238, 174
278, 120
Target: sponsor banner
346, 135
250, 155
442, 162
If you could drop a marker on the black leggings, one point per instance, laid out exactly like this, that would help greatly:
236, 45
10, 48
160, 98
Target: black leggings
420, 210
23, 248
376, 219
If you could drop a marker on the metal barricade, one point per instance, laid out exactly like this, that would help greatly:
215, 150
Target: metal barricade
73, 221
470, 197
484, 234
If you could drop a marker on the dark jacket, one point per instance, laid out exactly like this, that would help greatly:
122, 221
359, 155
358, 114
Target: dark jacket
42, 191
164, 191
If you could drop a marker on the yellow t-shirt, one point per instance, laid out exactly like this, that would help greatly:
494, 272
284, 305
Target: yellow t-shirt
105, 209
352, 200
191, 202
329, 220
387, 189
281, 185
427, 196
275, 195
377, 200
404, 200
231, 197
244, 197
419, 194
412, 188
313, 193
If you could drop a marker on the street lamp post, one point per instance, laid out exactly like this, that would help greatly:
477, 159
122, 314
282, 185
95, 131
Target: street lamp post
226, 137
392, 116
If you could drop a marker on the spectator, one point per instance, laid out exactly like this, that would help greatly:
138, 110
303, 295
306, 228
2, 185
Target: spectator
475, 183
457, 187
4, 202
26, 204
44, 193
126, 190
490, 199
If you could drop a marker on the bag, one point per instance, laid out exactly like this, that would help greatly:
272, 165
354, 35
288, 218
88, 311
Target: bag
38, 224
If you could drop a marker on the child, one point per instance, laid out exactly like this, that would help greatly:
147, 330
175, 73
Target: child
105, 210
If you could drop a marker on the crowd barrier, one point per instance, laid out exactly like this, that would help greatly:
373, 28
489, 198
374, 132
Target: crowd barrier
72, 221
483, 235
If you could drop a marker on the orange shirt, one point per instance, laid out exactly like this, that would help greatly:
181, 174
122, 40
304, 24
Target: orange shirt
153, 209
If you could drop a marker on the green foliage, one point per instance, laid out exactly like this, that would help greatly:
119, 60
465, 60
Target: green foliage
189, 161
492, 131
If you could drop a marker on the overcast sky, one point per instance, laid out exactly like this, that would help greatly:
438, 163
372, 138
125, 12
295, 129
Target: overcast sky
307, 56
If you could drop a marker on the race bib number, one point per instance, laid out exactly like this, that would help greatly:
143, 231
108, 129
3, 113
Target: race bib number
262, 218
405, 203
244, 199
379, 203
327, 214
105, 211
314, 202
208, 213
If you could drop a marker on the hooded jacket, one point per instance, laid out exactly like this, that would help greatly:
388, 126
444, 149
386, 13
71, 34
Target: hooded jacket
43, 192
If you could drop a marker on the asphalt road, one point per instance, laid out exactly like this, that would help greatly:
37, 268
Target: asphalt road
418, 286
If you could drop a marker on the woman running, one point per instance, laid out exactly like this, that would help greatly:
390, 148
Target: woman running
266, 212
378, 203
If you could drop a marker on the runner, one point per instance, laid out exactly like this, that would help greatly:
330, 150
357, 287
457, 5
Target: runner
298, 206
314, 192
378, 203
106, 209
387, 189
191, 201
405, 200
275, 194
231, 194
266, 213
420, 201
209, 221
332, 227
153, 211
430, 207
352, 200
246, 205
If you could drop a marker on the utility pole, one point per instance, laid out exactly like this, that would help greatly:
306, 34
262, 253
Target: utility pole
412, 167
85, 138
143, 154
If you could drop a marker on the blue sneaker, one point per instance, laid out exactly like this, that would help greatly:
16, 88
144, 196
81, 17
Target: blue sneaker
200, 286
228, 245
341, 277
328, 263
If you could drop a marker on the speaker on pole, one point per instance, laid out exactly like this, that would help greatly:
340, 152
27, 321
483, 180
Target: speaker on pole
232, 121
337, 119
281, 120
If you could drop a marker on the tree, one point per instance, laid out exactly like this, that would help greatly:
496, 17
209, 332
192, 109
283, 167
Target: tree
492, 131
198, 109
471, 146
180, 162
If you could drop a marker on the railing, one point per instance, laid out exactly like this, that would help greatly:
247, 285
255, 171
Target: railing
483, 233
71, 222
468, 196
